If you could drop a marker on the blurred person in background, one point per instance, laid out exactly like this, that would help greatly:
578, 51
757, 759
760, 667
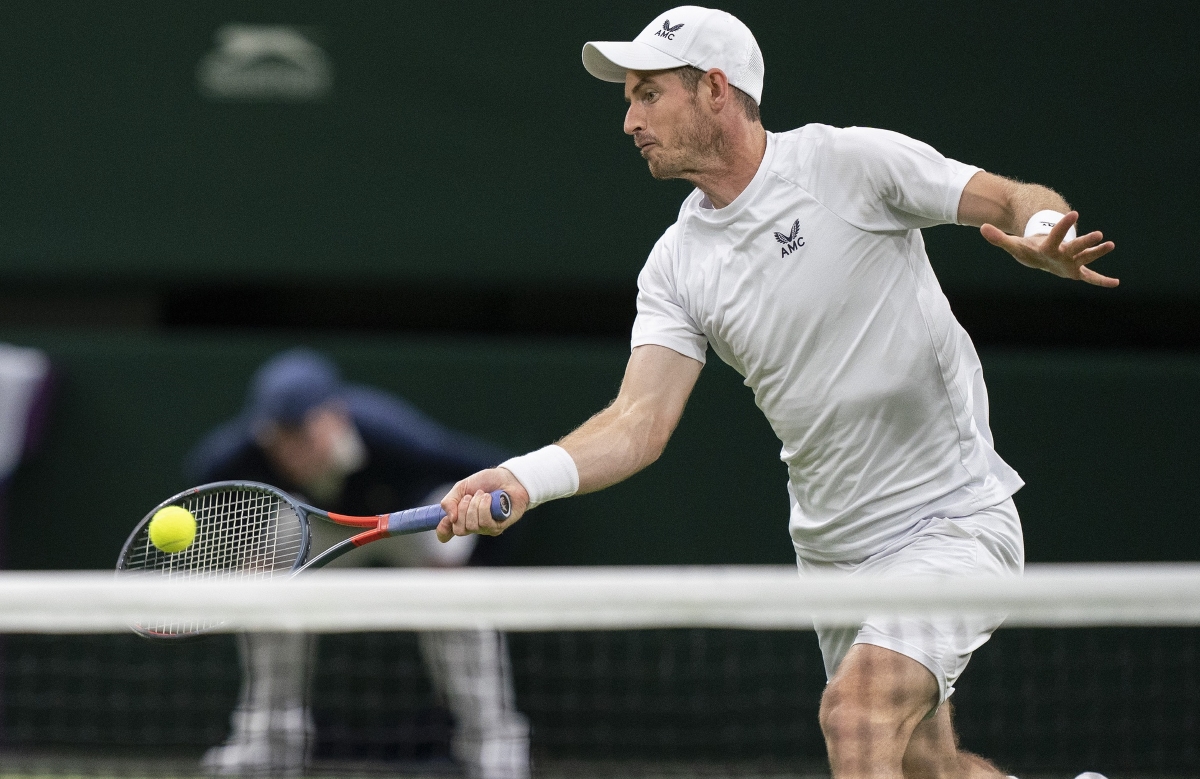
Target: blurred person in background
26, 381
356, 450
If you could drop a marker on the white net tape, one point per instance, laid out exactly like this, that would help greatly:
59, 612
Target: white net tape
533, 599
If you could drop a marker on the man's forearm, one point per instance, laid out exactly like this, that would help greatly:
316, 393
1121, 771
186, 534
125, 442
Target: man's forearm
610, 447
1007, 204
633, 431
1029, 199
615, 444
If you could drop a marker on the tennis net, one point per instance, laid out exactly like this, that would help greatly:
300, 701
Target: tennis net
618, 671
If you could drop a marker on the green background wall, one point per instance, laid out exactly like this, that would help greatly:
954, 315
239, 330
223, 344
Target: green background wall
464, 139
1106, 443
464, 143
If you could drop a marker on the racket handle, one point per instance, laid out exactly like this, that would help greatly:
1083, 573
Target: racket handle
427, 517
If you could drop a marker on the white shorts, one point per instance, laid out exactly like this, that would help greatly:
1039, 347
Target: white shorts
985, 543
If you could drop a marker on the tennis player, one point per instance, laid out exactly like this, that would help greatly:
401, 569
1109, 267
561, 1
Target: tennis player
799, 259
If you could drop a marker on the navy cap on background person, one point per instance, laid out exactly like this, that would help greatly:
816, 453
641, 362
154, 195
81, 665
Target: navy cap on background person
290, 385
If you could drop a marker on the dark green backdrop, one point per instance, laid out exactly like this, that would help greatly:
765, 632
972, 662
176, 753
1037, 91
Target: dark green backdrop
1106, 443
465, 140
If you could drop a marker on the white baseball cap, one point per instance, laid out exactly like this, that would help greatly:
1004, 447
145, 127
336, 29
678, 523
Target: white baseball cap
688, 35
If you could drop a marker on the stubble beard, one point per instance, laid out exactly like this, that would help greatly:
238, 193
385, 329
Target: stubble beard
700, 141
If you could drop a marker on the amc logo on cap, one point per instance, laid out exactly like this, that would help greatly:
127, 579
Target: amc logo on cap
668, 31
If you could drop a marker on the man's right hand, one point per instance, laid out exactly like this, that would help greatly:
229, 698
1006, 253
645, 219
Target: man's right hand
468, 504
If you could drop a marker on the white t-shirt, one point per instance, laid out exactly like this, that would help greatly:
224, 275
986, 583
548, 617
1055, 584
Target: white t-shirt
815, 286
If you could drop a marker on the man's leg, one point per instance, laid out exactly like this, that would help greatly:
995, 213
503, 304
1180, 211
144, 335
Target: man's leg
470, 668
271, 729
272, 732
873, 718
933, 752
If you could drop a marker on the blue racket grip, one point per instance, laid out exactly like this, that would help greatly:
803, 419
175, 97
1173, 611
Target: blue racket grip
427, 517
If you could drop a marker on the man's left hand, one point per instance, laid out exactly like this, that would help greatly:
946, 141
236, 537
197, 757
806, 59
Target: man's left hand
1068, 259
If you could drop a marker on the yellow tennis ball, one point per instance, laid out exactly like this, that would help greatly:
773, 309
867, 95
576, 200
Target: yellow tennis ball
172, 529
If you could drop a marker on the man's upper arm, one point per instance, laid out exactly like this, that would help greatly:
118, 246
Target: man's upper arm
880, 180
657, 384
668, 345
656, 371
661, 317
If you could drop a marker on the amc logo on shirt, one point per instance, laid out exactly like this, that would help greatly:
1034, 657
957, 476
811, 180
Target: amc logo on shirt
792, 241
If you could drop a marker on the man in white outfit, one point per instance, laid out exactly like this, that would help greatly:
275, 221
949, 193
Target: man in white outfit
799, 259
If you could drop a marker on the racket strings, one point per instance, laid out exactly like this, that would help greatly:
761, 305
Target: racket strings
240, 534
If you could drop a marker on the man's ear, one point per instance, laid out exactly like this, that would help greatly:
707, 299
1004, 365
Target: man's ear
717, 84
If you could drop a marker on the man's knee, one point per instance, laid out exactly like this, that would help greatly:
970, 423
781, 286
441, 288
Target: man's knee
877, 696
847, 715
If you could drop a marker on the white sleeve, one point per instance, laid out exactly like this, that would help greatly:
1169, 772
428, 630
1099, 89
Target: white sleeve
881, 181
661, 319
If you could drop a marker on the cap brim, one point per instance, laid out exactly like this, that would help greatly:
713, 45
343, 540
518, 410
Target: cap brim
610, 60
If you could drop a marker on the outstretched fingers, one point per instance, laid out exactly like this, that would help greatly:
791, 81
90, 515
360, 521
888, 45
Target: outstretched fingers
1050, 253
1087, 249
1096, 252
1058, 233
1092, 277
1077, 245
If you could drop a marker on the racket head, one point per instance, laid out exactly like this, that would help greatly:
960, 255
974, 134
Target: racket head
244, 531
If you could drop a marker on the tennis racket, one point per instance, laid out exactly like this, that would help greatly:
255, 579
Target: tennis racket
251, 531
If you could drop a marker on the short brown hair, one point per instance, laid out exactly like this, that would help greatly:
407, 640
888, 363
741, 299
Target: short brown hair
691, 76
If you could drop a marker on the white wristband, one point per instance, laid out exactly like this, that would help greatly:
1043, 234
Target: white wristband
1043, 222
546, 474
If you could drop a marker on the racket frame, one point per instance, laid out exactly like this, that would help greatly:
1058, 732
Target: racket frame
376, 527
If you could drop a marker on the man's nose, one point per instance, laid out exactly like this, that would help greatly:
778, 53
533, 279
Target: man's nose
634, 120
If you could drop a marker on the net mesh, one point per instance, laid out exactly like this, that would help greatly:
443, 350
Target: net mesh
1051, 700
